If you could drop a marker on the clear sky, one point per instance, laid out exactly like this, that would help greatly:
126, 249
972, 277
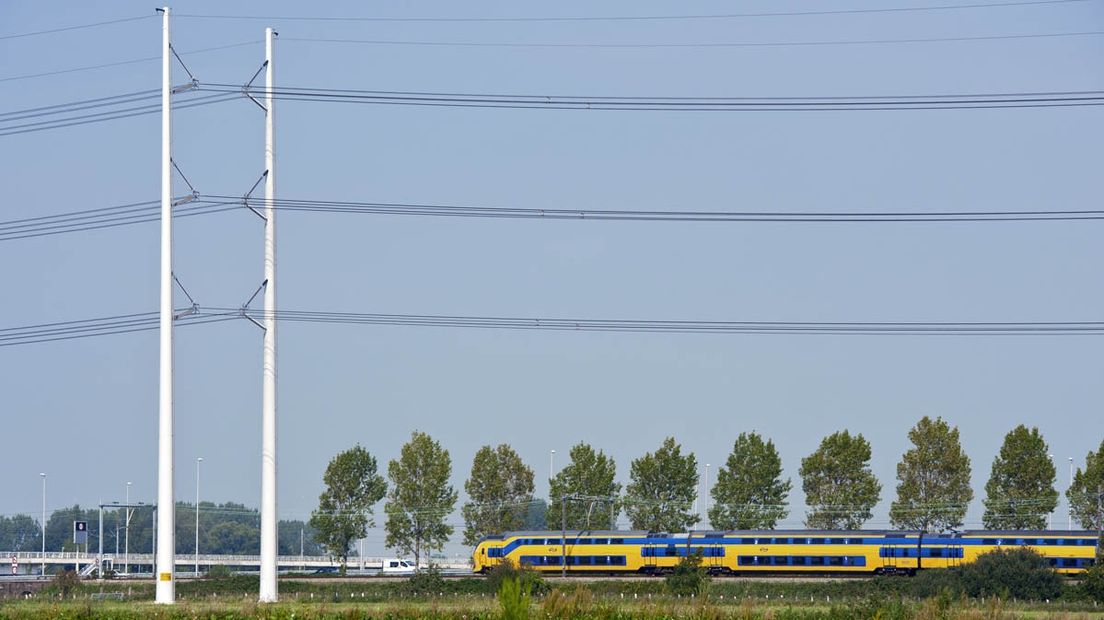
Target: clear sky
85, 411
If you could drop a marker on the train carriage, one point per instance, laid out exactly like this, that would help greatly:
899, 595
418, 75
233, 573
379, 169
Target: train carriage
774, 551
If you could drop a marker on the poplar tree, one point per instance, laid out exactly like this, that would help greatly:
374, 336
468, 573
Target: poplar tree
421, 498
933, 479
1020, 492
661, 493
1084, 492
344, 511
840, 489
500, 490
750, 492
584, 492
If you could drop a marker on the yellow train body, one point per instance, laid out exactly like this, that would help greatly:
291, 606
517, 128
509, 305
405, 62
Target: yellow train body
789, 551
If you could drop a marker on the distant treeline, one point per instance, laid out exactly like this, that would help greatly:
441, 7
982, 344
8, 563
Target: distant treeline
228, 528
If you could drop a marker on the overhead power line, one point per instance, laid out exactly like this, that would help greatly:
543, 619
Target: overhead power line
714, 44
607, 18
675, 104
443, 210
120, 63
150, 211
689, 327
120, 108
103, 326
127, 323
21, 35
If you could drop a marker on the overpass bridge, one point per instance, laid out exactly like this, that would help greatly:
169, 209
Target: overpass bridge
32, 562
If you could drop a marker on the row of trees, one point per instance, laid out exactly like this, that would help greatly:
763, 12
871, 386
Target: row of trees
228, 528
933, 489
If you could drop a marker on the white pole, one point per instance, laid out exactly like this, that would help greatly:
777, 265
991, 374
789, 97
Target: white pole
268, 593
166, 527
126, 534
199, 459
43, 524
551, 470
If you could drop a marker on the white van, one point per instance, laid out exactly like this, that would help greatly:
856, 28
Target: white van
396, 566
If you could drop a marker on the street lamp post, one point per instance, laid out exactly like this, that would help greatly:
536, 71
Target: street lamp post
43, 524
199, 459
126, 534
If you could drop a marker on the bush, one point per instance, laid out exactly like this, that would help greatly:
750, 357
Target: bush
563, 606
1015, 573
688, 577
937, 581
218, 571
426, 581
529, 579
65, 582
513, 596
1092, 584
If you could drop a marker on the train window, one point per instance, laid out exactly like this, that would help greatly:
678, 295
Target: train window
936, 553
617, 541
827, 541
835, 561
989, 541
856, 541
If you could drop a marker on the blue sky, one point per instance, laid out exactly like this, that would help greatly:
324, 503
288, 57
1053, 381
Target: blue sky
66, 404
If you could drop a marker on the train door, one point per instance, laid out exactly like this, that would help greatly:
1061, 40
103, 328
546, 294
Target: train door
955, 553
649, 552
889, 555
714, 558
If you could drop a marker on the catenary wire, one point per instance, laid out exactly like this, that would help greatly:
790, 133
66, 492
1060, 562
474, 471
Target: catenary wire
599, 18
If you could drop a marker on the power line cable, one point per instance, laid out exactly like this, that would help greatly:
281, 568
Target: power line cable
149, 211
120, 63
108, 116
688, 326
944, 7
706, 45
443, 210
198, 207
679, 104
119, 324
77, 27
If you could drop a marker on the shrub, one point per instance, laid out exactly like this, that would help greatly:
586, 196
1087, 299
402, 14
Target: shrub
688, 577
426, 581
65, 582
1092, 583
1017, 573
559, 604
526, 576
218, 571
513, 596
936, 581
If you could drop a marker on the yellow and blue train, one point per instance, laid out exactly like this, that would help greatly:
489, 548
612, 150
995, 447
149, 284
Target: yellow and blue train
774, 551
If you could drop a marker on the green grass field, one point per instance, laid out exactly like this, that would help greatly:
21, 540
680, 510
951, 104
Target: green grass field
317, 599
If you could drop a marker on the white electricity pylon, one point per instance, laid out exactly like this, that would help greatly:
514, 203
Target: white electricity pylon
166, 526
268, 588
